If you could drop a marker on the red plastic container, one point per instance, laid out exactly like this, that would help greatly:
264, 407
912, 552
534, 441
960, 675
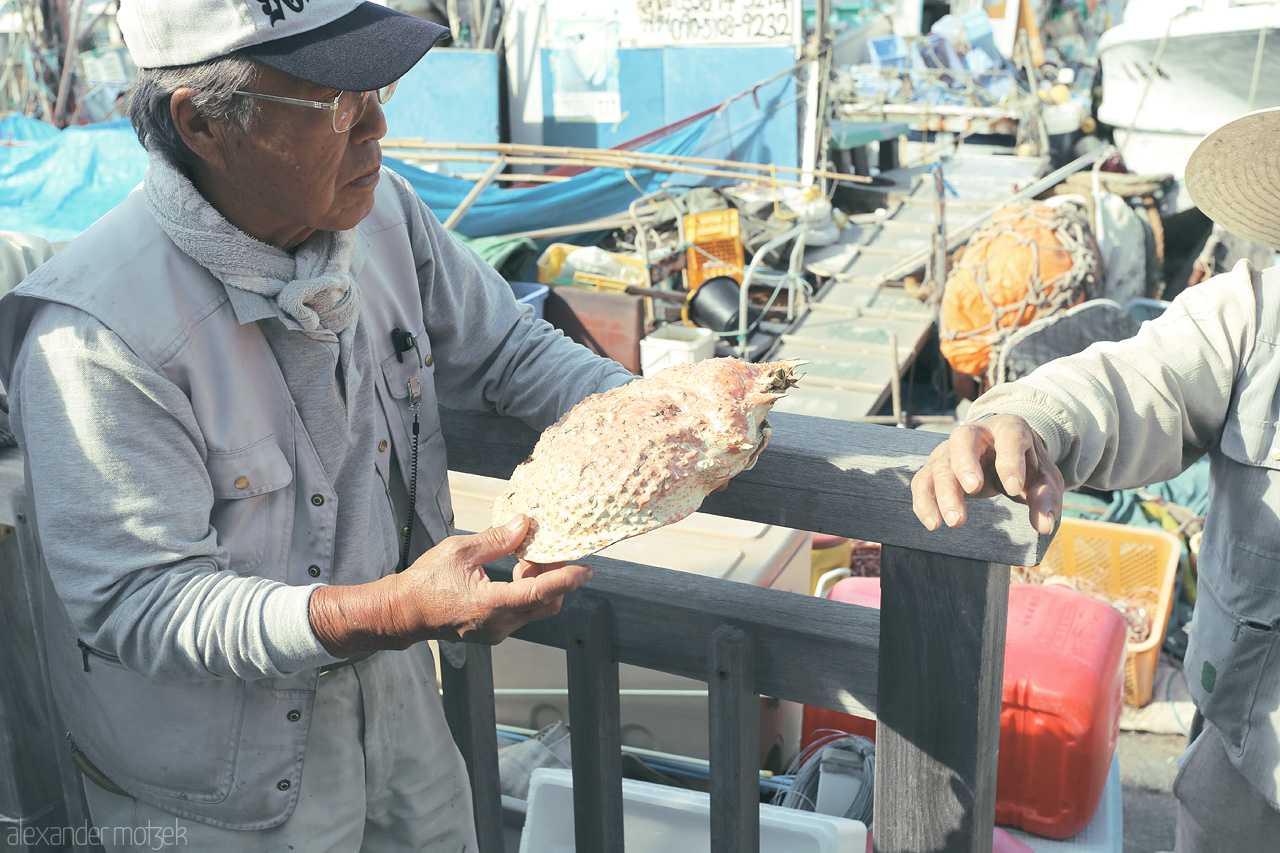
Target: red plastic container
1063, 690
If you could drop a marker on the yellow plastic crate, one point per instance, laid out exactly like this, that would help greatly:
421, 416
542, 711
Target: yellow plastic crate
715, 246
1128, 562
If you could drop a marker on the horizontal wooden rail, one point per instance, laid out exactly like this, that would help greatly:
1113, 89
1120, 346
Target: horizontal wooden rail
665, 620
818, 474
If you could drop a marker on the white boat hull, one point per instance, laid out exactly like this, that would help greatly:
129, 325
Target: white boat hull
1205, 77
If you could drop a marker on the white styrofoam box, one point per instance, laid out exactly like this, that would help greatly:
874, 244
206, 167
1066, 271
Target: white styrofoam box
659, 819
663, 712
674, 344
1104, 834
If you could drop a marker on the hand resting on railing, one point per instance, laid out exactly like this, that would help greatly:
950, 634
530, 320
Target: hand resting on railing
444, 595
1000, 454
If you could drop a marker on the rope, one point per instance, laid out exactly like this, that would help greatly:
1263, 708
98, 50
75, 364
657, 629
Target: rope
1019, 224
1206, 263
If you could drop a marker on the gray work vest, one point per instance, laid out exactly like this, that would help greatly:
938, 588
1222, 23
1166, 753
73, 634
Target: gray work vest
229, 751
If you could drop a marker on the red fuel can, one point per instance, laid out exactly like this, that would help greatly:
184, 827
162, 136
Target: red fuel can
1060, 716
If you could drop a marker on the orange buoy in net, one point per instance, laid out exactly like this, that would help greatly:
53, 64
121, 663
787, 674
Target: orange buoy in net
1029, 260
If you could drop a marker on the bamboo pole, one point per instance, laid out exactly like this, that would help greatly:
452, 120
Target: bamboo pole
676, 168
461, 210
518, 149
514, 177
71, 50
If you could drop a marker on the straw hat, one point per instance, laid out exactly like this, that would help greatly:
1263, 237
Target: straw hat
1234, 176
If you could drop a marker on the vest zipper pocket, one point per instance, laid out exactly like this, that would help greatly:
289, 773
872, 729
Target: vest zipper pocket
86, 650
1255, 624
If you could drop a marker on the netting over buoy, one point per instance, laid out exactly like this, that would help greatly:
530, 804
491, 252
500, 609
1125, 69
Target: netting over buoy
1029, 260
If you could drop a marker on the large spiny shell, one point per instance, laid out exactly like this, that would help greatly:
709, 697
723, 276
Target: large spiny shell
641, 456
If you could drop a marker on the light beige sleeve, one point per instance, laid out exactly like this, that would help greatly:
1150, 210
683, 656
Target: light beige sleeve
1129, 413
20, 254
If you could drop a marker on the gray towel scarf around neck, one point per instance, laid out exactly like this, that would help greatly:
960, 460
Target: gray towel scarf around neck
313, 285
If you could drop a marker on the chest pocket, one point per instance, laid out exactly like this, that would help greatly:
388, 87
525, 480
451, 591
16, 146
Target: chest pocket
418, 363
247, 485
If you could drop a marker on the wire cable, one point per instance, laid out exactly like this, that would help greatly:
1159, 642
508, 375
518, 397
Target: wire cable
806, 770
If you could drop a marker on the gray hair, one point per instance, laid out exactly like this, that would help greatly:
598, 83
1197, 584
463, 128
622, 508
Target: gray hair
214, 81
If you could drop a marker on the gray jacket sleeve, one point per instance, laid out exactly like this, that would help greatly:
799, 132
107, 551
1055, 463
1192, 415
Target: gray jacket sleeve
1128, 413
122, 501
490, 353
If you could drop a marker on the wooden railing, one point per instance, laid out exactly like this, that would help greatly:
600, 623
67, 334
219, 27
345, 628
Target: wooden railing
928, 665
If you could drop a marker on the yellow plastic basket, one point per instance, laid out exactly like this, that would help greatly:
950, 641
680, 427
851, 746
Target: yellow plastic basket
1123, 562
715, 246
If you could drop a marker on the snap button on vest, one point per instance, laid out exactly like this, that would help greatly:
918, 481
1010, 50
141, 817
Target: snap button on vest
284, 785
242, 483
317, 500
314, 571
294, 716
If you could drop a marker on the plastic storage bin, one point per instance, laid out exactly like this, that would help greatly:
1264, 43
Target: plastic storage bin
1127, 562
661, 819
1060, 710
531, 294
673, 344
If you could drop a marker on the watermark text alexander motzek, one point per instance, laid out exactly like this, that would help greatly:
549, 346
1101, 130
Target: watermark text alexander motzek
148, 836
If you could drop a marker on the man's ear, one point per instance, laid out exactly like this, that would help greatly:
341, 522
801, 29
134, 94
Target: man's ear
202, 136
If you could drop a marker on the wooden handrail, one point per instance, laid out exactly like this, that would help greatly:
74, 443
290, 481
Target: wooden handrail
818, 474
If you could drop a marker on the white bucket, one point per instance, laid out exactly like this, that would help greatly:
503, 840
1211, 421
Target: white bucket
673, 344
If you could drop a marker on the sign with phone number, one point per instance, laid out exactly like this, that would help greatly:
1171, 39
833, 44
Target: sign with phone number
711, 22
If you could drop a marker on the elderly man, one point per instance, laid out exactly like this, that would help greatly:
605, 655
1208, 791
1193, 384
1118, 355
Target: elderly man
227, 393
1202, 379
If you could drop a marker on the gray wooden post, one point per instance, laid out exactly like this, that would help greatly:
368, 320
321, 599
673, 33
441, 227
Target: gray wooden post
942, 628
468, 706
734, 714
595, 717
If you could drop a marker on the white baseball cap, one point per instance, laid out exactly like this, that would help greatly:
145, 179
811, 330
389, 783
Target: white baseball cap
1234, 176
342, 44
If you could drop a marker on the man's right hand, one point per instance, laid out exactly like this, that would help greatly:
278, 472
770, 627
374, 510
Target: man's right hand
444, 595
1001, 454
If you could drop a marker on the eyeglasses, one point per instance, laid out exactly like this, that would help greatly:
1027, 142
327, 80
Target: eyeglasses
345, 109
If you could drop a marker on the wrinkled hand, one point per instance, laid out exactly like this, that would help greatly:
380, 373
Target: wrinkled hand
446, 594
998, 455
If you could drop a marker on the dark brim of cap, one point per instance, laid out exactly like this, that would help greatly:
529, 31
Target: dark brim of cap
367, 48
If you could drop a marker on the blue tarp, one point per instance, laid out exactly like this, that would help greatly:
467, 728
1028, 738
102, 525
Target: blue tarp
590, 195
20, 128
57, 187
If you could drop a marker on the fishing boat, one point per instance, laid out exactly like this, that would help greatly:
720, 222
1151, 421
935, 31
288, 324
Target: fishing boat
1173, 71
